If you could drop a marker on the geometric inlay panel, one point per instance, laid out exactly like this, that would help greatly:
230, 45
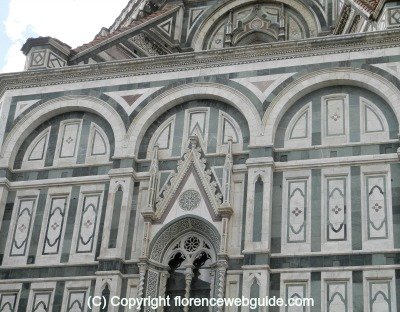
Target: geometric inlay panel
376, 207
55, 225
8, 302
88, 224
297, 211
22, 227
76, 301
189, 200
336, 209
337, 296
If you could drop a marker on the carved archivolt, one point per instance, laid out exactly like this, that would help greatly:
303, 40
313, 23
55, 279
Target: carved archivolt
179, 228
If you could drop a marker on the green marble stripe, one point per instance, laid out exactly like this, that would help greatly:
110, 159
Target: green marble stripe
354, 116
51, 149
124, 286
47, 272
37, 226
178, 134
116, 213
111, 265
23, 297
132, 219
244, 214
240, 290
5, 223
83, 143
58, 296
343, 151
254, 293
395, 173
316, 132
316, 210
315, 291
358, 293
276, 212
258, 210
356, 224
398, 289
91, 290
69, 229
329, 261
256, 259
274, 289
213, 130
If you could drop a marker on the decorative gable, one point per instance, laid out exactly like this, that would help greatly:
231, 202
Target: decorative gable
191, 171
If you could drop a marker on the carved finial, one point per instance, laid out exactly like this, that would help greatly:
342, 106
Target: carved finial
227, 174
154, 160
153, 179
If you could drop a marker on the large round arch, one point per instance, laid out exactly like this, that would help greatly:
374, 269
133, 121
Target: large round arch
326, 78
189, 92
177, 228
220, 10
55, 107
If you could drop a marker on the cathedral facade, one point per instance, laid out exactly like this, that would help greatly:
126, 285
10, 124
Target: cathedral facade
206, 149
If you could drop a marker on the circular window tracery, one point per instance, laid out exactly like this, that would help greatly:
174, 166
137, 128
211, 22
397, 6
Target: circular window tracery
192, 248
189, 200
191, 244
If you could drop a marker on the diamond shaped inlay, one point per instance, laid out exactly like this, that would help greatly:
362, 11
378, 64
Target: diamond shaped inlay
336, 209
335, 116
296, 211
55, 225
377, 207
88, 223
22, 228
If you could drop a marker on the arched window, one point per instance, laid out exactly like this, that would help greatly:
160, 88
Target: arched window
190, 259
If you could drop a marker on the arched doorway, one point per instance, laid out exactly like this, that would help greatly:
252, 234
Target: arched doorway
186, 250
191, 261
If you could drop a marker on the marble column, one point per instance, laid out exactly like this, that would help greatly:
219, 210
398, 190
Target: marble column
188, 283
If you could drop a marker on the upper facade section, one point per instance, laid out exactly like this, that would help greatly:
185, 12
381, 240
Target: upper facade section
152, 28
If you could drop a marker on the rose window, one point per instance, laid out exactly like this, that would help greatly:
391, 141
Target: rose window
189, 200
191, 244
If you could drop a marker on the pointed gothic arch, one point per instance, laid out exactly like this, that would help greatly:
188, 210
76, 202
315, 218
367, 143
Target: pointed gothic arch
177, 228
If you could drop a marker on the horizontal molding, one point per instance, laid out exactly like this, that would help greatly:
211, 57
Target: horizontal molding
337, 161
203, 59
339, 269
58, 182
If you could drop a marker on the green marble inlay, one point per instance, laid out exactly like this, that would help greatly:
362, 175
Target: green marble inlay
316, 291
276, 212
41, 204
132, 219
58, 296
395, 174
358, 293
258, 210
274, 289
354, 117
23, 297
118, 196
356, 224
69, 227
316, 205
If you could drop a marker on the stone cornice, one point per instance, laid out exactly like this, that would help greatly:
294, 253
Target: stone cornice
203, 59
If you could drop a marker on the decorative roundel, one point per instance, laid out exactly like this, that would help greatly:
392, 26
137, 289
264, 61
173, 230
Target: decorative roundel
191, 243
189, 200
